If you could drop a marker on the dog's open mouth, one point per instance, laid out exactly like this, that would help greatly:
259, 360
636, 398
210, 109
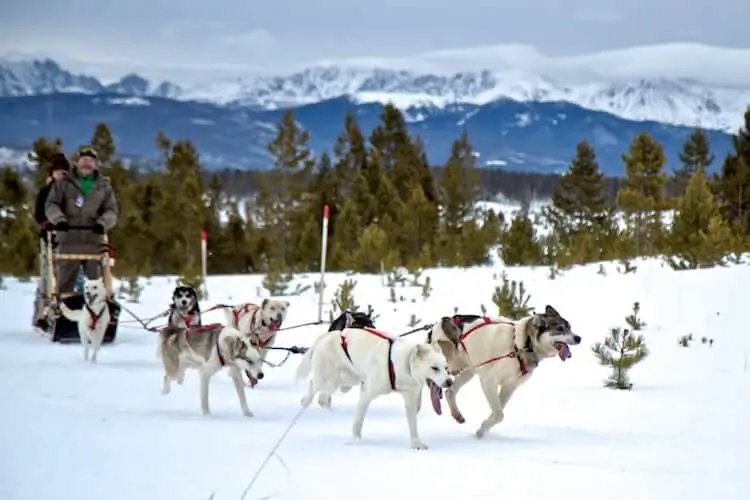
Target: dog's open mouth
436, 394
563, 351
274, 325
252, 380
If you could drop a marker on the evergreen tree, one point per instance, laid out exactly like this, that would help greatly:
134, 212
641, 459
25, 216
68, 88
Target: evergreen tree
696, 155
458, 194
281, 213
40, 158
641, 197
19, 247
733, 183
579, 215
698, 236
622, 350
104, 144
519, 244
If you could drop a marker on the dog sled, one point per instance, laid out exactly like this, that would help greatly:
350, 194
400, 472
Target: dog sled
51, 322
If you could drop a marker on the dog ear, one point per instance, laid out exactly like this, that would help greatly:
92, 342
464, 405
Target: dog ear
422, 350
264, 304
537, 321
450, 329
551, 311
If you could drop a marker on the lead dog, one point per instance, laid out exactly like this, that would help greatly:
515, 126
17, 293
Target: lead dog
503, 353
209, 350
93, 318
380, 363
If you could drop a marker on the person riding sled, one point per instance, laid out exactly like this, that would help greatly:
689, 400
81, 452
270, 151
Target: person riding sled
82, 207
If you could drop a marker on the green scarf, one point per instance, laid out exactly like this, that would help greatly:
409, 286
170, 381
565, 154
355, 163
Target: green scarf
85, 183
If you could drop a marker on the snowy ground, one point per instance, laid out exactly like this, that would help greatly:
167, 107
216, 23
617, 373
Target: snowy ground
70, 430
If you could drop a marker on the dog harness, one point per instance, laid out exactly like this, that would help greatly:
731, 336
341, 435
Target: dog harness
93, 316
458, 321
391, 341
218, 353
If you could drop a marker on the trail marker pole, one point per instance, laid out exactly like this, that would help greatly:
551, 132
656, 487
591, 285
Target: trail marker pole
323, 255
204, 262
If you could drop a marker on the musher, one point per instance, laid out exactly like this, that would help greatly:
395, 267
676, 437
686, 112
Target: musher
85, 200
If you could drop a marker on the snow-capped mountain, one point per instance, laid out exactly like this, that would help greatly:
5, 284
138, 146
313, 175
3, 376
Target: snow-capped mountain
45, 76
677, 101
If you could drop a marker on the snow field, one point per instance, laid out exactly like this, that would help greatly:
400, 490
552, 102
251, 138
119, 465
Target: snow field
74, 430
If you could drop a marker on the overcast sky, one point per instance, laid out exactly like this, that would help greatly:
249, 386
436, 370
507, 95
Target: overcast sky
239, 36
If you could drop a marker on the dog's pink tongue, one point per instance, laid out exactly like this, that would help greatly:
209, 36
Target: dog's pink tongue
253, 380
563, 351
436, 394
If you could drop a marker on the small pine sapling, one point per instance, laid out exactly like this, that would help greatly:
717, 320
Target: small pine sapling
483, 309
392, 294
601, 271
413, 321
622, 350
685, 340
511, 299
626, 267
426, 288
343, 300
554, 271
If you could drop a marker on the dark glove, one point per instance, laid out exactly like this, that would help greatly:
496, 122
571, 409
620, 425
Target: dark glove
97, 229
62, 226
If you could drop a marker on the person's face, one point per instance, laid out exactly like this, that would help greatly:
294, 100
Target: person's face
86, 164
59, 174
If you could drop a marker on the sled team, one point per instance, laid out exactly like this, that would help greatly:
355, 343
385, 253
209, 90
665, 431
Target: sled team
503, 353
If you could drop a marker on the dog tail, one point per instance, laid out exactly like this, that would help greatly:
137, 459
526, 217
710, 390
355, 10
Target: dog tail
70, 314
305, 365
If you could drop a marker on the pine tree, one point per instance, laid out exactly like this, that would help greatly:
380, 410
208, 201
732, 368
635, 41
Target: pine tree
641, 197
519, 245
458, 194
283, 188
622, 350
696, 155
40, 157
104, 144
579, 215
698, 237
19, 247
733, 183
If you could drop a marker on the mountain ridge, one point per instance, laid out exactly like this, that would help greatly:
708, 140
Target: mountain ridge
509, 134
676, 101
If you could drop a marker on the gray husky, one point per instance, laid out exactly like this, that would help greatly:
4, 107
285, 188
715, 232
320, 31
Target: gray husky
504, 353
209, 349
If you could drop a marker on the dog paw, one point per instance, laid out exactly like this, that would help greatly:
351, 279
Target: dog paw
206, 413
248, 413
480, 433
419, 445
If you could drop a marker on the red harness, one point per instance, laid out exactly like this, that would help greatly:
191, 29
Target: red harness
94, 317
391, 341
489, 321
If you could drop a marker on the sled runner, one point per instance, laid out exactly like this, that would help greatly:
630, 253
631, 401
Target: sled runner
56, 326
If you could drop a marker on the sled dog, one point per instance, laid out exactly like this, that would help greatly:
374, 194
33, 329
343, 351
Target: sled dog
93, 319
208, 349
348, 319
258, 322
502, 352
184, 310
381, 363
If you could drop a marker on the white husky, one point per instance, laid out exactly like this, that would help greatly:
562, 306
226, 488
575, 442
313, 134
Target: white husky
93, 319
342, 359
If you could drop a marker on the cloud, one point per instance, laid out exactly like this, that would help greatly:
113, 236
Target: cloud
254, 39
